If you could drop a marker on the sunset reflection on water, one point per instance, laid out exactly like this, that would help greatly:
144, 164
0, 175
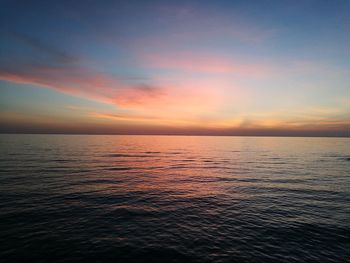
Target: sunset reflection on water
137, 197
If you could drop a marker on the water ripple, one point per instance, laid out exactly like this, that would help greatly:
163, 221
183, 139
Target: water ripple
174, 199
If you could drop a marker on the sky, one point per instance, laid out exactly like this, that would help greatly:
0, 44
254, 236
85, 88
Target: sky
175, 67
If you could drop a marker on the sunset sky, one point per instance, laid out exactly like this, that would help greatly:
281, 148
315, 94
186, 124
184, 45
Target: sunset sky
175, 67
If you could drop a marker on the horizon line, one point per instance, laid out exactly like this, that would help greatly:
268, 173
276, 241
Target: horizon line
174, 134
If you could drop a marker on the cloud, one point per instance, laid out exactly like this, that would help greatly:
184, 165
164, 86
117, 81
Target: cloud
32, 61
24, 123
22, 49
48, 66
132, 118
40, 47
160, 99
85, 83
206, 63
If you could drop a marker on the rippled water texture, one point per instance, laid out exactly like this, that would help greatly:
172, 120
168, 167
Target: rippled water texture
174, 199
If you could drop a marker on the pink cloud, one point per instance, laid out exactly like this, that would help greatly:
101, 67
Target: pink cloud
85, 83
204, 63
157, 99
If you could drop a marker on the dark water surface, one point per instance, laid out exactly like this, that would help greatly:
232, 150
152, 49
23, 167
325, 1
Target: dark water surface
174, 199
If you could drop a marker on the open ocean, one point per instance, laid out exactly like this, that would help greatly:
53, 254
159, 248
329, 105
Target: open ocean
70, 198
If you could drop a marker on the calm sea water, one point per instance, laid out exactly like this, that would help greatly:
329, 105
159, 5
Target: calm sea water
66, 198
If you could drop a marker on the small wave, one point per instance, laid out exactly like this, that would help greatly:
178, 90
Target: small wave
344, 158
132, 212
178, 166
100, 181
62, 160
6, 160
127, 155
339, 157
119, 168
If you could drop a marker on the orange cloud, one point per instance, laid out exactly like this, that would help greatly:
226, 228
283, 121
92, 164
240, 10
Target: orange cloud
23, 122
142, 119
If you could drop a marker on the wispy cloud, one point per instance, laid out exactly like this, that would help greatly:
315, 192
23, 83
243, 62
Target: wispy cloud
206, 63
23, 49
41, 48
85, 83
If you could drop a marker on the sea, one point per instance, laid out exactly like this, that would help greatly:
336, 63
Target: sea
97, 198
